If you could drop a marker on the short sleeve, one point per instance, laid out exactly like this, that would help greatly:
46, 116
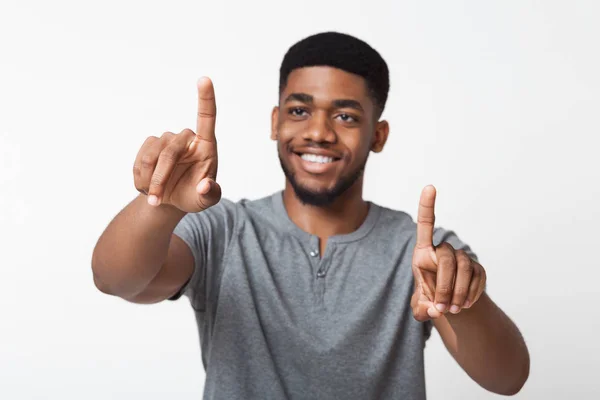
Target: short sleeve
208, 235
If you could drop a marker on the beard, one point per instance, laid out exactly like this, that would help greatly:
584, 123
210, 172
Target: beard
325, 197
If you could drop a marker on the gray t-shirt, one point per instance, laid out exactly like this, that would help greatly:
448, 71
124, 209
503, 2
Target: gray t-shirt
279, 321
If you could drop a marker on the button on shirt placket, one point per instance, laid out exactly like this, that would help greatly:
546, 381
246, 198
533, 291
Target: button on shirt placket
321, 271
320, 263
314, 254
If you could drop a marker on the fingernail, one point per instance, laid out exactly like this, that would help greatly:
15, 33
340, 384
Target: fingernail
152, 200
440, 307
454, 309
467, 304
431, 312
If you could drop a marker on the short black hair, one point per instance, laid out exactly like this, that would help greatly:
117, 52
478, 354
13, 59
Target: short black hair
340, 50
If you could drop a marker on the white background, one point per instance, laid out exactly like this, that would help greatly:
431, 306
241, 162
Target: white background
495, 103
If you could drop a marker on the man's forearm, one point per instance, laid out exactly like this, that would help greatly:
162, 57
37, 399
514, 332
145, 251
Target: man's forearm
133, 247
487, 345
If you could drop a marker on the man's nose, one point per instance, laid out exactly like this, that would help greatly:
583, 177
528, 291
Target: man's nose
320, 129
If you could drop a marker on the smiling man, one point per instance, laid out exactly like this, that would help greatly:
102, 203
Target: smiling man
311, 292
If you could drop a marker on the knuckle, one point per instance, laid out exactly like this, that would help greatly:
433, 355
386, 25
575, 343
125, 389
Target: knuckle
426, 205
168, 154
447, 246
166, 135
421, 219
420, 317
465, 265
447, 262
148, 161
137, 171
187, 131
461, 291
150, 139
419, 314
157, 179
200, 204
444, 290
473, 287
460, 253
205, 113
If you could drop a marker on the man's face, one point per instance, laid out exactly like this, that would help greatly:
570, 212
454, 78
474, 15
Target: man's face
325, 126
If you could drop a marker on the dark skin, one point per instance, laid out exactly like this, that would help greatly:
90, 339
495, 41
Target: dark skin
329, 116
333, 108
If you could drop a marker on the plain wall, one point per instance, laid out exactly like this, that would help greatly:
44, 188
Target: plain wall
495, 103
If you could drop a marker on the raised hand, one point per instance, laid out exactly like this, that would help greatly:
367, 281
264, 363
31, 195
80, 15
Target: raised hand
446, 280
181, 169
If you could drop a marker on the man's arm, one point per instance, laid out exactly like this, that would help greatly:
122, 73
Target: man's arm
487, 345
450, 290
138, 258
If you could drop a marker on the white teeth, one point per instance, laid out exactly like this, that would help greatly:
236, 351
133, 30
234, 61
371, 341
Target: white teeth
316, 159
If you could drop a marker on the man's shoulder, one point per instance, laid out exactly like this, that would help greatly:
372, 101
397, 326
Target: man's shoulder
259, 204
244, 208
390, 218
401, 222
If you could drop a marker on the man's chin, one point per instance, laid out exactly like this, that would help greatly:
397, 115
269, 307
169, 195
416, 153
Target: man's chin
318, 193
312, 197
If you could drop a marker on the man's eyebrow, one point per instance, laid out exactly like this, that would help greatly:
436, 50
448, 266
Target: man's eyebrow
339, 103
347, 103
301, 97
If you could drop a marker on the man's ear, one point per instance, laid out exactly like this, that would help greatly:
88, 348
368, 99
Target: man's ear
274, 123
382, 129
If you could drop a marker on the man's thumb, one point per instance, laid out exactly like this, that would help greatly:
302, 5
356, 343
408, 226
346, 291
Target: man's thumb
209, 193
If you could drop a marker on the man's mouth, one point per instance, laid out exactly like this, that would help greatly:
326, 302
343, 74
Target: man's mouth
317, 159
316, 163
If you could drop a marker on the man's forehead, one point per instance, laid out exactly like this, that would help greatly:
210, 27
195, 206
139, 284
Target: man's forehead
326, 83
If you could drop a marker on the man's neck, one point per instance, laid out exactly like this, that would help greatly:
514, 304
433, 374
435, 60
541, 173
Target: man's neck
345, 215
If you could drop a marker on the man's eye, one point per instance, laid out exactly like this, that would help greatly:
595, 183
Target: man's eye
297, 112
347, 118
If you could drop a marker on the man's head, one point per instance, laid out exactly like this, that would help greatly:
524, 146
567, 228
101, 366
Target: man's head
332, 90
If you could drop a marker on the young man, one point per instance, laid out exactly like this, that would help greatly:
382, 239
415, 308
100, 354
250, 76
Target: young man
312, 292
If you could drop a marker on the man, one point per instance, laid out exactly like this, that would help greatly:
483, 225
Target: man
312, 292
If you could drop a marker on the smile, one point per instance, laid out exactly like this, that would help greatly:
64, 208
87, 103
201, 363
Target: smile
316, 164
317, 159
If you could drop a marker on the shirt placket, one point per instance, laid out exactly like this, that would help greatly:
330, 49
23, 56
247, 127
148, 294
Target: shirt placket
320, 266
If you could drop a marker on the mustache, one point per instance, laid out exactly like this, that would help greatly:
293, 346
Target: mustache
314, 145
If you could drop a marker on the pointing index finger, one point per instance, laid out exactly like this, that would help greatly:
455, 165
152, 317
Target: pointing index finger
207, 110
426, 217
